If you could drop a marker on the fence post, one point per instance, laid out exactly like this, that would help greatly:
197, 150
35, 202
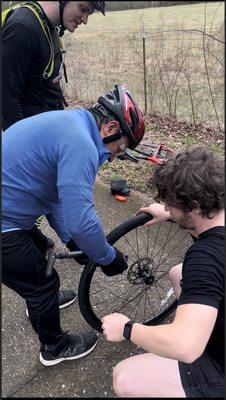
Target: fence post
143, 35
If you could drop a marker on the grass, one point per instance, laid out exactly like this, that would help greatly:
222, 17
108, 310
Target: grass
109, 50
191, 16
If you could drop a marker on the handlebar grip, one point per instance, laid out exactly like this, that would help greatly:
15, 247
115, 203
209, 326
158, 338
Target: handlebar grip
71, 254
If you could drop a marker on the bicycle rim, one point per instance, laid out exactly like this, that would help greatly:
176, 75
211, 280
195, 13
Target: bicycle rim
140, 292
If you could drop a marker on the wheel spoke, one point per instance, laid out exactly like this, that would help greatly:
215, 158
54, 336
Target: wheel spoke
157, 234
97, 281
137, 244
126, 239
157, 290
164, 245
125, 301
153, 312
139, 294
135, 316
145, 302
148, 238
139, 291
173, 253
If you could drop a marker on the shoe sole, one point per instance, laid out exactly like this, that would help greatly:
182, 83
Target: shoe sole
49, 363
67, 304
60, 307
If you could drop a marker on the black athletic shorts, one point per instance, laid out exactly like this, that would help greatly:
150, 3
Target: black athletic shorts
202, 378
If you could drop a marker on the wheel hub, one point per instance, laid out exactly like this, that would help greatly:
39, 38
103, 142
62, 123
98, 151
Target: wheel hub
141, 271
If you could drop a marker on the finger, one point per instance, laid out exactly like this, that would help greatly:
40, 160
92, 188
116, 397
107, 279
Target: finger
152, 222
138, 212
142, 209
103, 326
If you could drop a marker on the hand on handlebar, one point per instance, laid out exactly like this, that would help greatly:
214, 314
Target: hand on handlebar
117, 266
72, 246
157, 211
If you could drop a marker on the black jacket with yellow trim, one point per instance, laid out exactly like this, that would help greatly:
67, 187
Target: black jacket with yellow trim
25, 54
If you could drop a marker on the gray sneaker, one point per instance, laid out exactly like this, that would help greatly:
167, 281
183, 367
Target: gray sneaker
71, 347
65, 298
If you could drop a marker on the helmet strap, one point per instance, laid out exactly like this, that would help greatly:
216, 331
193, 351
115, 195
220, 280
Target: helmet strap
62, 27
112, 138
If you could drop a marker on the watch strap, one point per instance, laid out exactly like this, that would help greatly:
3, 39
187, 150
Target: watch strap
127, 329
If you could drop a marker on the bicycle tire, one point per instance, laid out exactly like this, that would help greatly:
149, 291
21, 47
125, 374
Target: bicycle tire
84, 296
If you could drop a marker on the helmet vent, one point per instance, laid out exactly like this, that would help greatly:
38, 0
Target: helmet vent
133, 119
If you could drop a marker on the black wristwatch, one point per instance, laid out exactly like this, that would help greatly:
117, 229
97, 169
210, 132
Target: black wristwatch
127, 329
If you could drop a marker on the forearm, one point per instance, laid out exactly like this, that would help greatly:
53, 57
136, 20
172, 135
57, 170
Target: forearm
162, 340
91, 239
184, 339
84, 226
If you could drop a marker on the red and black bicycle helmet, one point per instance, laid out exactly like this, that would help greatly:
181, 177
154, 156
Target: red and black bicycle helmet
98, 5
120, 103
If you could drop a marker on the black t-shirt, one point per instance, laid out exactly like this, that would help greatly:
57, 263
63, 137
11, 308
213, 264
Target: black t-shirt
25, 54
203, 283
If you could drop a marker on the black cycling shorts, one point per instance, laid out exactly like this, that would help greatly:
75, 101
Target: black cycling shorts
202, 378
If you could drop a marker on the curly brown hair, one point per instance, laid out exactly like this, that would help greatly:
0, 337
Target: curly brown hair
191, 178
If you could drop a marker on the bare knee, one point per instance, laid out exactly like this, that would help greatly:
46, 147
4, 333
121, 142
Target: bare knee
122, 381
175, 275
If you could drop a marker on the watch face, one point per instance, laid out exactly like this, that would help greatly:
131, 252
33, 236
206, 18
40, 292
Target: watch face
127, 330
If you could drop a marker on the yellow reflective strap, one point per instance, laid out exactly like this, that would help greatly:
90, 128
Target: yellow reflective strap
4, 15
38, 221
49, 68
48, 71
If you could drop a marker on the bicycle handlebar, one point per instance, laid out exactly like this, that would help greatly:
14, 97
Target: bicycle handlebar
52, 256
71, 254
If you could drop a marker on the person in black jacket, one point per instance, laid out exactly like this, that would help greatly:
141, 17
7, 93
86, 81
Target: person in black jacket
27, 87
32, 65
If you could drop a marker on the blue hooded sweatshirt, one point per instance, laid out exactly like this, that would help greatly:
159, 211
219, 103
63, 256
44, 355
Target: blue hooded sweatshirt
49, 165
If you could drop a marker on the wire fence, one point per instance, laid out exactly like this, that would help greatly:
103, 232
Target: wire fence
176, 72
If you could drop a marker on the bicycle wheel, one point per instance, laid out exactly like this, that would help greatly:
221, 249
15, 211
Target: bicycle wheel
141, 291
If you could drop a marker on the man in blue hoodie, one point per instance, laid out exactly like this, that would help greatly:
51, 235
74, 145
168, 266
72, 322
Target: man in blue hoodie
31, 35
50, 162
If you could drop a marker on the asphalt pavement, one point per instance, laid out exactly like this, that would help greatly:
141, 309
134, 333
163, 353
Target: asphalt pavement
22, 373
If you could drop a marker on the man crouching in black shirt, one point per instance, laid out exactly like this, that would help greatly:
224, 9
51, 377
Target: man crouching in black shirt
186, 357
